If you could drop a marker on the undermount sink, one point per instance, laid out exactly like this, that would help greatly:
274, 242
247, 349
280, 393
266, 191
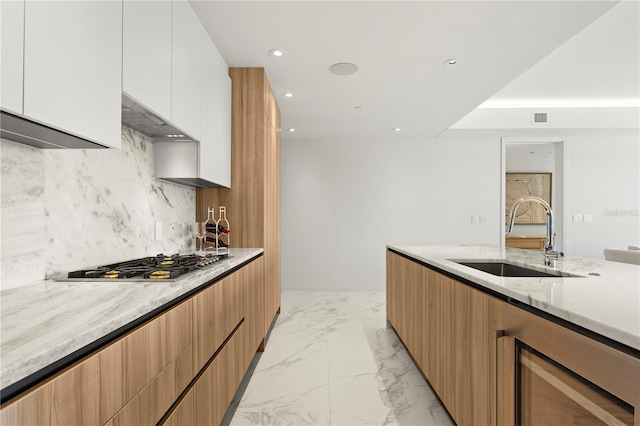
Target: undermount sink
502, 269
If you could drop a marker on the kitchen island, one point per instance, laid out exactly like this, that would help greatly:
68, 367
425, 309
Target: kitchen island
484, 341
116, 344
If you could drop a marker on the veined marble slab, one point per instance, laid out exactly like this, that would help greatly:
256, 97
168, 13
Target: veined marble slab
68, 209
607, 303
42, 323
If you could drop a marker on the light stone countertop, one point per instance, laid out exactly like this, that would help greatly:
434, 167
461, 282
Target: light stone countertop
607, 304
42, 323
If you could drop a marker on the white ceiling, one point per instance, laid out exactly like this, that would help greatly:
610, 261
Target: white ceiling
400, 48
600, 66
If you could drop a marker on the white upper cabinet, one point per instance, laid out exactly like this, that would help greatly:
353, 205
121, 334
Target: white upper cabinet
11, 38
186, 62
73, 67
215, 141
146, 56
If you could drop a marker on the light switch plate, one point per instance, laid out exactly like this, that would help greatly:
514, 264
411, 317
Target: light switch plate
587, 218
577, 218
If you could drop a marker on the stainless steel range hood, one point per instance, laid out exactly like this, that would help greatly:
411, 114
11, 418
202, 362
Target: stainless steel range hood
139, 118
176, 154
22, 130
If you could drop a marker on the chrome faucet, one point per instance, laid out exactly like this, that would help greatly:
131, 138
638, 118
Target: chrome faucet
549, 251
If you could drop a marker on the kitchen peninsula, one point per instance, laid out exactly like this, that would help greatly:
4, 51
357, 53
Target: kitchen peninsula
499, 350
133, 352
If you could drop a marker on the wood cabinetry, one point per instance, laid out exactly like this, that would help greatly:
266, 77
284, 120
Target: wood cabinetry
253, 201
153, 401
257, 322
73, 67
95, 389
561, 377
448, 327
216, 312
183, 414
492, 362
217, 385
530, 243
182, 367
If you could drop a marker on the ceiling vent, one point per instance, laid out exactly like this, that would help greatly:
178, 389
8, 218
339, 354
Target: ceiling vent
539, 118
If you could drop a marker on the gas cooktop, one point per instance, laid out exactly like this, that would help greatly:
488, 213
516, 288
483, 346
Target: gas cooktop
160, 267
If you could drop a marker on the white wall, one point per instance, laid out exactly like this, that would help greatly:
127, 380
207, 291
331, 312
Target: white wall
603, 180
343, 200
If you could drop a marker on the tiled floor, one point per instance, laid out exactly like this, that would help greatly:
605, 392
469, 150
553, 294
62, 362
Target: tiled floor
330, 360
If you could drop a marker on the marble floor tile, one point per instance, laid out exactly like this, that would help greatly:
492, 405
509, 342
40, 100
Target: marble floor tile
331, 360
250, 418
356, 400
349, 345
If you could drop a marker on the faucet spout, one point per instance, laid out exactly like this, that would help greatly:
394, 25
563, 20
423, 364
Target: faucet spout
549, 247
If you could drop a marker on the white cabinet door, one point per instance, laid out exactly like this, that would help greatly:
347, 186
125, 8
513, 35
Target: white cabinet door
146, 56
186, 54
73, 67
215, 141
11, 38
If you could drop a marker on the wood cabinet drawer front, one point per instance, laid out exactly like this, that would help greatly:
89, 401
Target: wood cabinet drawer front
616, 372
183, 414
216, 312
217, 385
148, 406
131, 363
255, 312
93, 390
70, 398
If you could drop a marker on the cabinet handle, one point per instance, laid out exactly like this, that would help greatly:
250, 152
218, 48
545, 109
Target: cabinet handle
497, 334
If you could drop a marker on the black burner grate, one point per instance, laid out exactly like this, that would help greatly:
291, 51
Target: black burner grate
158, 267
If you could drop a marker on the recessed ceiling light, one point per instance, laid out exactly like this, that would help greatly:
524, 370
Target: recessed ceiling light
343, 68
291, 129
276, 52
288, 95
397, 129
451, 61
359, 107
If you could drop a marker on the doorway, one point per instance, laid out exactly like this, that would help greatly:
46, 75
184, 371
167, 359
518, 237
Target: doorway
536, 155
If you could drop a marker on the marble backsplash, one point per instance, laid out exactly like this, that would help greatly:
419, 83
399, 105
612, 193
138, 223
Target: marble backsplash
63, 210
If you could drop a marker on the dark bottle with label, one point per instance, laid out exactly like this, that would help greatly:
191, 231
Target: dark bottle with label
217, 242
211, 227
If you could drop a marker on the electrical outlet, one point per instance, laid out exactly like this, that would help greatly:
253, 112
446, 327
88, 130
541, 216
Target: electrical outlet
577, 218
158, 231
483, 220
474, 219
587, 218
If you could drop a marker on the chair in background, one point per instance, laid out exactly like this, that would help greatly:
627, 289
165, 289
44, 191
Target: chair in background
622, 256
